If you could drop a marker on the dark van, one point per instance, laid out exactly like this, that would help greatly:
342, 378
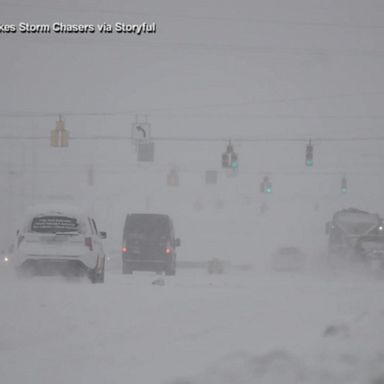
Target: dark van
149, 244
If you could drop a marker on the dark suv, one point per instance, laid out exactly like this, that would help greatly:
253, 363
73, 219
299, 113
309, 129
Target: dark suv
149, 244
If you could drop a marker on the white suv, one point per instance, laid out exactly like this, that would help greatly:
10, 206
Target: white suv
59, 239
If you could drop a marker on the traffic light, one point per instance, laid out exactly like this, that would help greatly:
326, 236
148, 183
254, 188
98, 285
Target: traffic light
309, 155
234, 161
173, 178
266, 185
229, 148
344, 185
225, 160
230, 159
59, 135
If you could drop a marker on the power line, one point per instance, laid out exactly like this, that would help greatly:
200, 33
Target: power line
210, 106
202, 139
208, 114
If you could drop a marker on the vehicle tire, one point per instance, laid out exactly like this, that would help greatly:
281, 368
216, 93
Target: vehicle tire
92, 275
101, 276
96, 277
127, 270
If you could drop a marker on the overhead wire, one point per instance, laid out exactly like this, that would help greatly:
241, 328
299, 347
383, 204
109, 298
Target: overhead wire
171, 110
181, 139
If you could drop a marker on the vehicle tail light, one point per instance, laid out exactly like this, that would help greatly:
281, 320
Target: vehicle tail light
168, 251
88, 243
124, 250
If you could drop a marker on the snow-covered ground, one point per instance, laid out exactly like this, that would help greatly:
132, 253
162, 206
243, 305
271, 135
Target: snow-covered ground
239, 327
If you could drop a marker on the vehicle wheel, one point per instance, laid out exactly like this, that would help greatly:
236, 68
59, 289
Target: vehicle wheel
101, 277
92, 276
127, 270
96, 277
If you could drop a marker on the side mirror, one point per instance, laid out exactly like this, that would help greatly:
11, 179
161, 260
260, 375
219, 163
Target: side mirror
103, 235
177, 242
327, 227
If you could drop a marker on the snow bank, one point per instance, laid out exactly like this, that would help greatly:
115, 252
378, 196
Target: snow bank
349, 353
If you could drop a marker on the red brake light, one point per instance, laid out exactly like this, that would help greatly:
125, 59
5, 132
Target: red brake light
124, 249
168, 251
88, 243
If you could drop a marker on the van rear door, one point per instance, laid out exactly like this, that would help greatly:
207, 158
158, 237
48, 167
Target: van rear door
146, 235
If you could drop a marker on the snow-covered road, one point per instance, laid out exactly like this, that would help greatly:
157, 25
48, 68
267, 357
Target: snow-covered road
239, 327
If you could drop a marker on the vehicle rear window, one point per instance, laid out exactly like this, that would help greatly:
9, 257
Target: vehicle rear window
147, 225
54, 224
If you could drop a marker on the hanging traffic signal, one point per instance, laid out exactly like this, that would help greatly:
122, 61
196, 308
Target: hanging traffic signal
230, 159
173, 178
234, 161
59, 135
266, 185
225, 160
344, 185
309, 155
229, 148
